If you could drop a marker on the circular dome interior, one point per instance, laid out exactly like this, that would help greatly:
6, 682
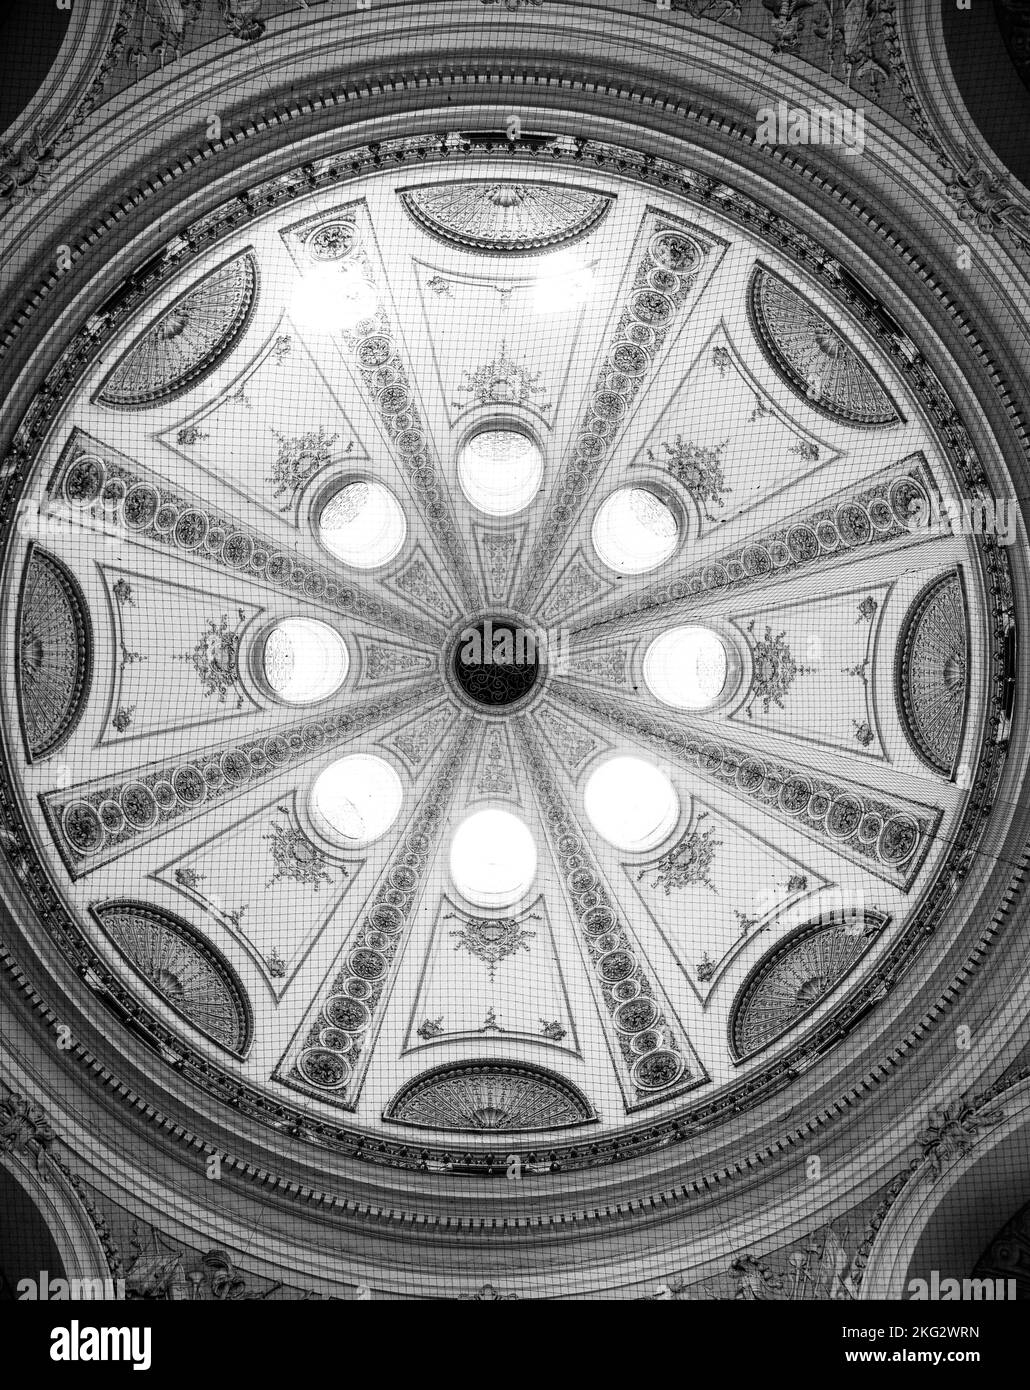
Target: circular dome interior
831, 784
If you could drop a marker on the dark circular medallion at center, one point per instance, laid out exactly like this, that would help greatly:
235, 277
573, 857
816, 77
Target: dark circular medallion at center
496, 662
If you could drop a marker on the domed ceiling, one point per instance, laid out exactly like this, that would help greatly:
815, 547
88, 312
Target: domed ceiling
494, 656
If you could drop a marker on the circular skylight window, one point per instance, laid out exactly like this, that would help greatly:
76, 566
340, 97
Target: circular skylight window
634, 531
493, 858
500, 470
631, 803
363, 524
357, 799
686, 667
304, 660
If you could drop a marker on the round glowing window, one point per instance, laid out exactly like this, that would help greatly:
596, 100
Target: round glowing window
631, 803
304, 660
686, 667
363, 524
500, 470
493, 858
635, 531
357, 799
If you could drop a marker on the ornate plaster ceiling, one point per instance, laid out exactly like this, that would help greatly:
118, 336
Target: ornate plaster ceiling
826, 794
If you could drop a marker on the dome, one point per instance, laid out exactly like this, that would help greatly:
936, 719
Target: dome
513, 722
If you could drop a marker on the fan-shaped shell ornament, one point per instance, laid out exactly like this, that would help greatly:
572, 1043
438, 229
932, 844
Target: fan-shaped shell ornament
489, 1095
188, 341
511, 217
809, 354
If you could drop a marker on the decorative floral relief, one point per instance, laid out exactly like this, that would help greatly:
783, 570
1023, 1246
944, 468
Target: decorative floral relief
553, 1031
866, 609
215, 658
384, 662
123, 717
985, 200
609, 666
123, 592
130, 658
499, 551
430, 1028
573, 745
705, 969
25, 1127
295, 856
417, 742
495, 770
688, 861
299, 457
501, 381
575, 588
417, 581
952, 1131
275, 964
492, 939
775, 669
190, 435
697, 469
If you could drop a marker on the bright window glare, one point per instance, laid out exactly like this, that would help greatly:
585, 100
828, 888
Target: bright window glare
357, 798
686, 667
564, 282
634, 531
493, 858
631, 803
330, 297
304, 660
363, 524
500, 471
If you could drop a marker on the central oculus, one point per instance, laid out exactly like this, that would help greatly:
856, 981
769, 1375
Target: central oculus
497, 661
